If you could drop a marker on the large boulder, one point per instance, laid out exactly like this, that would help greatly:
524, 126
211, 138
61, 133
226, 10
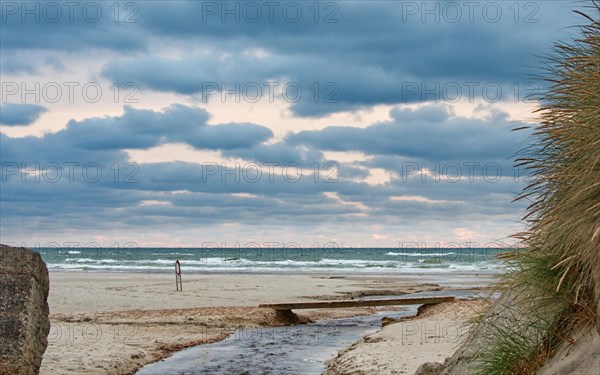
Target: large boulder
24, 323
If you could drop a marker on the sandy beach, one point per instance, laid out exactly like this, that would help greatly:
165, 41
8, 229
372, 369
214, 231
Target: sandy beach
115, 323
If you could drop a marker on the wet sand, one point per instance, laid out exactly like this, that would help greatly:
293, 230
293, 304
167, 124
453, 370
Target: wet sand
110, 323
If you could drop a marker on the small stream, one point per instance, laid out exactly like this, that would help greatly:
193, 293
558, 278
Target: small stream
299, 349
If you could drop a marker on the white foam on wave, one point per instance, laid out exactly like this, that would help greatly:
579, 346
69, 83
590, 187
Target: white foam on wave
420, 254
90, 260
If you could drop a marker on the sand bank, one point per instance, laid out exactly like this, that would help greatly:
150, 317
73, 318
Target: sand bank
403, 346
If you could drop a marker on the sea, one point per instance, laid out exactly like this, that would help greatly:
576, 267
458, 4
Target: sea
276, 260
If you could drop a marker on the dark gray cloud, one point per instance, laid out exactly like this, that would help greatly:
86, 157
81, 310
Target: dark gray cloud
140, 129
279, 153
372, 53
377, 52
13, 114
428, 133
68, 26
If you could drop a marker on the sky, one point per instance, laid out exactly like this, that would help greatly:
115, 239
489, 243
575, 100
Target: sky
190, 123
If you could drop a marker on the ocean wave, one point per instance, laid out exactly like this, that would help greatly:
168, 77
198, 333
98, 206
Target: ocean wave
332, 270
287, 263
275, 262
90, 260
420, 254
200, 266
176, 253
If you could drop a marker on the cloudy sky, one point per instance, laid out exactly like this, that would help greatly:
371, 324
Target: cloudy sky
364, 123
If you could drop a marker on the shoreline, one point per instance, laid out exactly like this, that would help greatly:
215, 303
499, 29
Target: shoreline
339, 272
117, 322
444, 276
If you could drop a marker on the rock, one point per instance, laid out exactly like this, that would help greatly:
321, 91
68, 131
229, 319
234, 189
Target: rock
24, 323
430, 368
287, 316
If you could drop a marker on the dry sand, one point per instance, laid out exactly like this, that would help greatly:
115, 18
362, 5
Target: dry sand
579, 354
401, 347
111, 323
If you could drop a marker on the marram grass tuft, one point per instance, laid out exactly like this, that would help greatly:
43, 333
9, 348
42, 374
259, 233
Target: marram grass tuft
564, 169
555, 281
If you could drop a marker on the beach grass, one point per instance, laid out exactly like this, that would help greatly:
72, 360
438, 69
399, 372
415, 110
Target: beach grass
555, 280
518, 340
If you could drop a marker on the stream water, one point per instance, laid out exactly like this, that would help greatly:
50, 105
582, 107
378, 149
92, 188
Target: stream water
299, 349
